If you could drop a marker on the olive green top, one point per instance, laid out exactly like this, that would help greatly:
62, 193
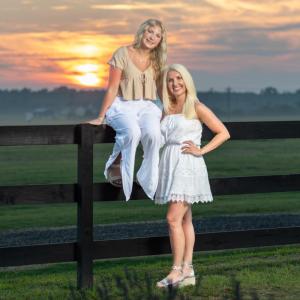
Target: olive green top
134, 83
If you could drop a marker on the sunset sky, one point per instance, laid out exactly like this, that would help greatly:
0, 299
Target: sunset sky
245, 45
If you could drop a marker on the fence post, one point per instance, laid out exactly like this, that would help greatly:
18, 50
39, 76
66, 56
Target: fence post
85, 207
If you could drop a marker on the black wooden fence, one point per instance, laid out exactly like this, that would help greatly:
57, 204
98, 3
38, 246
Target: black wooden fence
85, 250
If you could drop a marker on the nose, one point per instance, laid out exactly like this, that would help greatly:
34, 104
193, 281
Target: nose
151, 37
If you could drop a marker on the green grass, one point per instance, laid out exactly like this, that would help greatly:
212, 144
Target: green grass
268, 272
64, 214
58, 163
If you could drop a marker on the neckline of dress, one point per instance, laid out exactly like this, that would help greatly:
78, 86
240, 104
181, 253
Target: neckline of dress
129, 58
179, 114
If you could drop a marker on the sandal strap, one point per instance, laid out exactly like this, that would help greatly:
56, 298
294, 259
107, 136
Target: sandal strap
187, 264
177, 268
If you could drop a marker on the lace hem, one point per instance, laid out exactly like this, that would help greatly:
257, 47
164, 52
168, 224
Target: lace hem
203, 198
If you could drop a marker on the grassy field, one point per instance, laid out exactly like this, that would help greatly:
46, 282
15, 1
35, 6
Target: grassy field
57, 164
264, 273
64, 214
269, 273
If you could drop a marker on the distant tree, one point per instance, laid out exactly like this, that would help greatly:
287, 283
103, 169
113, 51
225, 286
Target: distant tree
269, 91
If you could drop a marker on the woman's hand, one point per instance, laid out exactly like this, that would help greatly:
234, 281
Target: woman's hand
190, 148
97, 121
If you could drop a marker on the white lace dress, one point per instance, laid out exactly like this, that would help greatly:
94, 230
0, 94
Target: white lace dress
182, 177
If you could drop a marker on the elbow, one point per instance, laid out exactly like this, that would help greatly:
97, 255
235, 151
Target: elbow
227, 135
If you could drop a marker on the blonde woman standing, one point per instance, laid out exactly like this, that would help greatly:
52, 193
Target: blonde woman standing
130, 108
183, 178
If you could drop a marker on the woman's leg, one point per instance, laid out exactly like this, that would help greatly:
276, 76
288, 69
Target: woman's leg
176, 212
128, 134
189, 234
147, 175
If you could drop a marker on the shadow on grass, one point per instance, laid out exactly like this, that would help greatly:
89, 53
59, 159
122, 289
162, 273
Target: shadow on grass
130, 286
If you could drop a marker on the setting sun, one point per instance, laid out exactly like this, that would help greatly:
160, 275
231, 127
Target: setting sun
88, 74
89, 79
87, 68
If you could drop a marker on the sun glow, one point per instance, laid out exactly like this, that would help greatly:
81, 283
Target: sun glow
87, 50
87, 68
89, 79
88, 74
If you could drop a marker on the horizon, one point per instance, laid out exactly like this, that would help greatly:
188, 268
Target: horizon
244, 45
95, 89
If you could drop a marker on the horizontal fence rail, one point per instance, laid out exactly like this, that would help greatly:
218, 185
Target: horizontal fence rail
85, 191
66, 252
102, 191
69, 134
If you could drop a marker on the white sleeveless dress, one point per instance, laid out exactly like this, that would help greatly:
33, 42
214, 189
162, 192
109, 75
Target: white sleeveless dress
182, 177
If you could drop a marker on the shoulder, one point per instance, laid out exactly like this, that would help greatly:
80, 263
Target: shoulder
121, 51
199, 106
201, 109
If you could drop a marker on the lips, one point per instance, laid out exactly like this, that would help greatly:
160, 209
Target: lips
150, 42
177, 89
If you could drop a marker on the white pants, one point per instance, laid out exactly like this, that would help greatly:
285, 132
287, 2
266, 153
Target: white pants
135, 121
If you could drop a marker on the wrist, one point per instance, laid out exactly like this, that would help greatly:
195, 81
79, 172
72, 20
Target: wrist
201, 152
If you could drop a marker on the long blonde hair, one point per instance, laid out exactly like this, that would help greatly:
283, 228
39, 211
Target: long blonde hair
158, 55
191, 93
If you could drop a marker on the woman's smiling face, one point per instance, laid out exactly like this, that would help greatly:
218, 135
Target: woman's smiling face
175, 84
152, 37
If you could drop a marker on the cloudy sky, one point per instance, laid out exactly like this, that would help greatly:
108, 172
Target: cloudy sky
243, 44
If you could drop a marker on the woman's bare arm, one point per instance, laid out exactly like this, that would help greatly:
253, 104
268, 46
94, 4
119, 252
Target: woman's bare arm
206, 116
111, 93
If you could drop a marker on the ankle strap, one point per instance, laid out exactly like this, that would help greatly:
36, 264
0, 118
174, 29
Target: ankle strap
187, 264
176, 268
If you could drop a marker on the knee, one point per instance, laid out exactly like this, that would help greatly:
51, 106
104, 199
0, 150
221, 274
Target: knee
153, 136
133, 135
173, 220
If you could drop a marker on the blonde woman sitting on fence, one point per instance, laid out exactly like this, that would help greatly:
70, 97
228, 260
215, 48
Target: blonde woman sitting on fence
130, 108
183, 178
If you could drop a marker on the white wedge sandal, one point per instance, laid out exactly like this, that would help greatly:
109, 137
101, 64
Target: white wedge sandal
115, 180
190, 278
166, 282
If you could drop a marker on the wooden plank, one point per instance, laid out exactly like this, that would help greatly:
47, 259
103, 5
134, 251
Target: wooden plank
247, 238
219, 186
204, 241
53, 253
68, 134
103, 191
27, 194
37, 254
84, 196
131, 247
104, 134
255, 184
37, 135
263, 130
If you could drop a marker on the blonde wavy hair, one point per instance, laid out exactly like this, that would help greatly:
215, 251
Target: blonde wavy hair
191, 93
158, 55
